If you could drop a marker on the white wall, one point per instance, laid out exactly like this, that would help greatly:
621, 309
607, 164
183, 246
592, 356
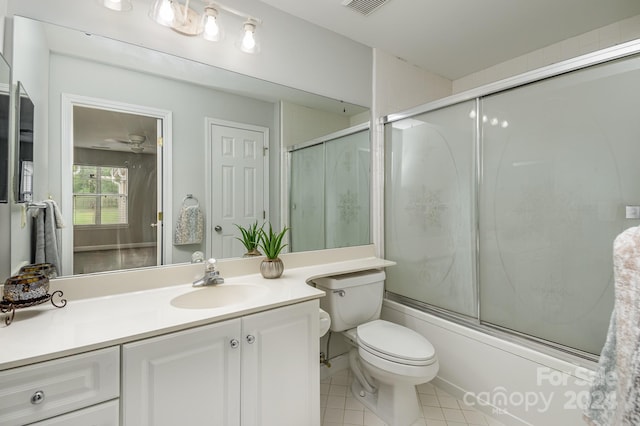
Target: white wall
301, 124
610, 35
399, 85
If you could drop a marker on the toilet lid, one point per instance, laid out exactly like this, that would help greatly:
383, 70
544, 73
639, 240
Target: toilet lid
395, 342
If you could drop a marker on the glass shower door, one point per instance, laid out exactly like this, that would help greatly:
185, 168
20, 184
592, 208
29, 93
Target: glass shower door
429, 208
559, 167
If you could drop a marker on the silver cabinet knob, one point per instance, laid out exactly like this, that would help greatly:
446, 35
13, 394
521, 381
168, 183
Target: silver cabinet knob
234, 343
251, 339
37, 397
218, 228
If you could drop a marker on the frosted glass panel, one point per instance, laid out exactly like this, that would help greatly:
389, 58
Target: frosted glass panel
329, 201
556, 180
306, 204
347, 190
429, 207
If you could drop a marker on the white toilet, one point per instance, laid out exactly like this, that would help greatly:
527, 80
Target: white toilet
387, 359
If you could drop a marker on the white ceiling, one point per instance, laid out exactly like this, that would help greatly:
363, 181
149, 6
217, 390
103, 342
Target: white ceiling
454, 38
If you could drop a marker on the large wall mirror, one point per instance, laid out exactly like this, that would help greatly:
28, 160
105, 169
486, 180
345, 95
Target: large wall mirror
125, 122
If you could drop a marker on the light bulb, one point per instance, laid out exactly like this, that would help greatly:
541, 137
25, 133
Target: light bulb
211, 29
248, 41
166, 11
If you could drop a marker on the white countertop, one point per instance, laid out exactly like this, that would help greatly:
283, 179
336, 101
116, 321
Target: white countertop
45, 332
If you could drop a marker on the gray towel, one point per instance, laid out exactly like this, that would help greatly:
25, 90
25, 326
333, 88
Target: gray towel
47, 222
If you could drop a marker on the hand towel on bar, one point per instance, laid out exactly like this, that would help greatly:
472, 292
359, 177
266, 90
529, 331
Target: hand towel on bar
46, 246
189, 227
615, 391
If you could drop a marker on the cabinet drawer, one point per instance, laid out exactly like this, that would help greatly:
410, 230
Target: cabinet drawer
105, 414
47, 389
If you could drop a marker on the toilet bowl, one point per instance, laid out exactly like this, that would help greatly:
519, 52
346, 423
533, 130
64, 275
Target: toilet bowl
388, 360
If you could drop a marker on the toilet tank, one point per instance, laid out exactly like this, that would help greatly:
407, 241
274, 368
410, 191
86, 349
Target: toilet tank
352, 299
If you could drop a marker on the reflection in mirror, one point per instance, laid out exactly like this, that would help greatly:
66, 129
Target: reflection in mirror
24, 169
114, 190
5, 102
192, 94
329, 191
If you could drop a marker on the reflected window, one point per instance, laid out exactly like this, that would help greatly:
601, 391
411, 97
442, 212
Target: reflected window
100, 195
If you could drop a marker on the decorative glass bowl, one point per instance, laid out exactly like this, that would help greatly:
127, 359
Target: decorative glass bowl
26, 287
46, 269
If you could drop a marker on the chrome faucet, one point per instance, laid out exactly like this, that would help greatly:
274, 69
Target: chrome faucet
211, 275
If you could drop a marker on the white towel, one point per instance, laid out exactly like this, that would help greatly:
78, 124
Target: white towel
189, 227
615, 392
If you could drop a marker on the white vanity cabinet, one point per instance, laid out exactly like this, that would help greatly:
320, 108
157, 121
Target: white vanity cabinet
48, 390
261, 369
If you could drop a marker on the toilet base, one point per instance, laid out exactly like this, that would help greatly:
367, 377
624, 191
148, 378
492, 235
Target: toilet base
395, 405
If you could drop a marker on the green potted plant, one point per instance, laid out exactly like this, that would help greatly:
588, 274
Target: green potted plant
271, 244
250, 239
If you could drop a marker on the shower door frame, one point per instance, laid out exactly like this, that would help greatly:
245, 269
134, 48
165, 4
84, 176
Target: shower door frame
621, 51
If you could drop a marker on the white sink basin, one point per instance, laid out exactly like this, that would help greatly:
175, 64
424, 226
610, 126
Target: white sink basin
218, 296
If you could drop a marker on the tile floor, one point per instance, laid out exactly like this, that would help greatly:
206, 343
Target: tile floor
338, 407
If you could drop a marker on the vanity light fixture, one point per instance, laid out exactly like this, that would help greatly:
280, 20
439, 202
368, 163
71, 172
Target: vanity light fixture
184, 19
117, 5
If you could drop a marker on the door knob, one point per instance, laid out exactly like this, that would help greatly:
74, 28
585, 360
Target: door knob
154, 225
218, 228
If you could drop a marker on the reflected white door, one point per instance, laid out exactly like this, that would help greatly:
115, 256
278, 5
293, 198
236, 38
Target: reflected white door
239, 184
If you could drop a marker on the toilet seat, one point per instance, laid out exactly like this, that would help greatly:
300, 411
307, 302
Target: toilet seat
395, 343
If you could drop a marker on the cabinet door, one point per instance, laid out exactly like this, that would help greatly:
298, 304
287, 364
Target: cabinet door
280, 370
185, 378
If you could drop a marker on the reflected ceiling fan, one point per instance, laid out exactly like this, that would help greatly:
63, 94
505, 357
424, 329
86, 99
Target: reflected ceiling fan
134, 141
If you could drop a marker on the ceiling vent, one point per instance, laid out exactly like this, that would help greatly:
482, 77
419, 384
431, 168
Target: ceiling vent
364, 7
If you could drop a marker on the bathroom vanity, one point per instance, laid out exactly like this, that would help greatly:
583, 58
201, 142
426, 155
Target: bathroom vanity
241, 353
